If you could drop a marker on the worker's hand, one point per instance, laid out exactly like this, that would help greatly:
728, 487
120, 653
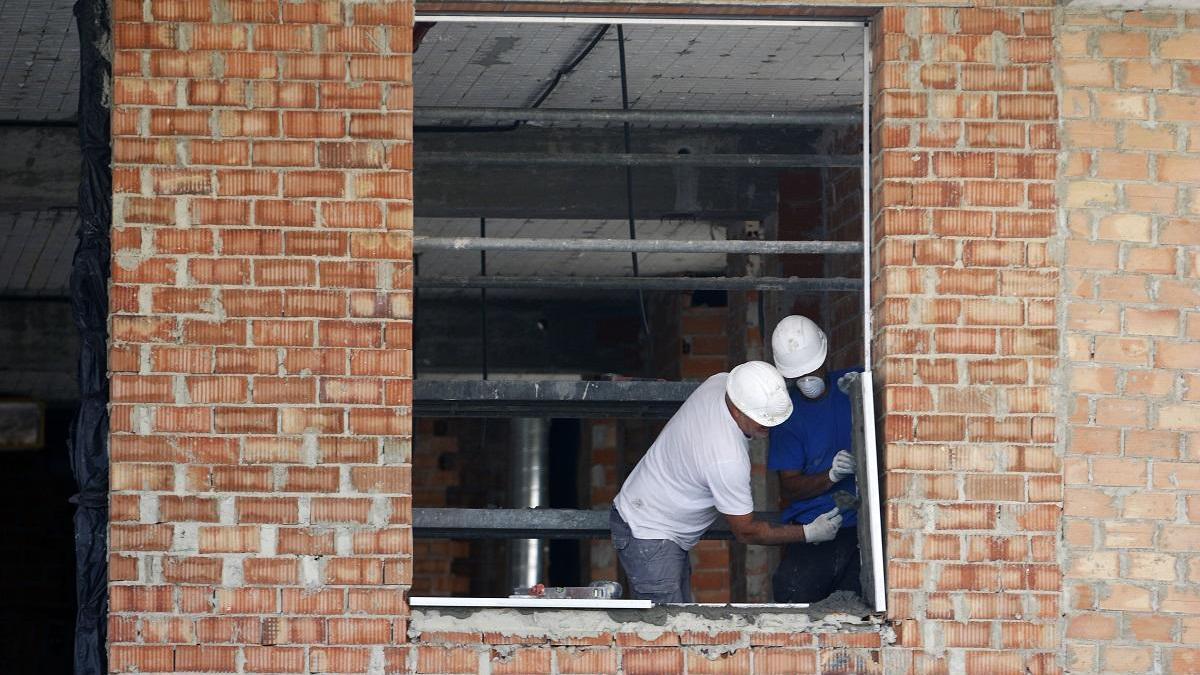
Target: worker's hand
824, 527
843, 466
843, 383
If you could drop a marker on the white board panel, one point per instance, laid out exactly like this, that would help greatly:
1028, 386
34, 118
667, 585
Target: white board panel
870, 539
530, 603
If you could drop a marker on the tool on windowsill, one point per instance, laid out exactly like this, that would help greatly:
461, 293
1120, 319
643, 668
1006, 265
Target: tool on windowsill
598, 590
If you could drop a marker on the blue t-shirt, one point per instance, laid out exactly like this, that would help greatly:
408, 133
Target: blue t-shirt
808, 441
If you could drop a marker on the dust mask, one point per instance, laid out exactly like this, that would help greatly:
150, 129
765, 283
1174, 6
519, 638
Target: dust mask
811, 386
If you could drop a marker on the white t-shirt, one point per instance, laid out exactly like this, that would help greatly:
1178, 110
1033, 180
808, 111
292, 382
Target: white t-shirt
698, 465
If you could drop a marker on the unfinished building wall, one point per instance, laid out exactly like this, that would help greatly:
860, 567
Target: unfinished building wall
965, 134
260, 403
1131, 195
260, 335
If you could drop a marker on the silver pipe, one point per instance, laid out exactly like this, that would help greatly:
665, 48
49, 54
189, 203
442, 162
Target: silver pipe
649, 283
638, 246
767, 161
430, 114
529, 487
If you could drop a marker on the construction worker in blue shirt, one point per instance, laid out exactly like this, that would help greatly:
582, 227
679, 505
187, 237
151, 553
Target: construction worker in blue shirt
810, 452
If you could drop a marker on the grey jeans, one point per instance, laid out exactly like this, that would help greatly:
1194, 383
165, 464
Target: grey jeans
658, 569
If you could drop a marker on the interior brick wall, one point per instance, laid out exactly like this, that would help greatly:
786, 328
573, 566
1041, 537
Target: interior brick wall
438, 466
261, 340
842, 213
965, 138
604, 481
1130, 187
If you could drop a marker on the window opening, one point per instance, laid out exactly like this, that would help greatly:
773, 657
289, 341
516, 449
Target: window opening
643, 199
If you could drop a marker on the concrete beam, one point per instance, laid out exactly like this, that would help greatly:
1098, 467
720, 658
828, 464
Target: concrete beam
40, 343
535, 191
39, 168
544, 334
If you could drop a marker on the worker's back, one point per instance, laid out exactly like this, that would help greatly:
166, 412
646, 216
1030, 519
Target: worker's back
698, 465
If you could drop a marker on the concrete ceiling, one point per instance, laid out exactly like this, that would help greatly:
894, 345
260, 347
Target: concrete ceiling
670, 67
39, 60
36, 248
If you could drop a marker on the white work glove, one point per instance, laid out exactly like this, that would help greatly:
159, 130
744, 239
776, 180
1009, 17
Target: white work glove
843, 383
824, 527
843, 466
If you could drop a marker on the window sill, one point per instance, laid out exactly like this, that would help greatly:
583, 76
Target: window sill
540, 619
529, 603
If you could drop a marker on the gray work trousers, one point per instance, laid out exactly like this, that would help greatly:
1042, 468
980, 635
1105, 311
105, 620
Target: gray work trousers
658, 569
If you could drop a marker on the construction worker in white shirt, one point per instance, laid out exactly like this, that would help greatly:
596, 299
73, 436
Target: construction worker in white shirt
697, 468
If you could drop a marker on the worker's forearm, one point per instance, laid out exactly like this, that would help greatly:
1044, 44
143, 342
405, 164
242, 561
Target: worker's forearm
765, 532
801, 486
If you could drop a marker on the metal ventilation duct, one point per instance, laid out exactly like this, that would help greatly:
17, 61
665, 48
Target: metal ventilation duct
529, 487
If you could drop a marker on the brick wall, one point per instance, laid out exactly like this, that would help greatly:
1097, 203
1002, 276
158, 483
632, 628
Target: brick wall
1131, 195
842, 313
965, 131
438, 465
604, 481
259, 320
804, 198
260, 335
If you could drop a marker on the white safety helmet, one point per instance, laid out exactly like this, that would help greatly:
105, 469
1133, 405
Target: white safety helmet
798, 346
758, 390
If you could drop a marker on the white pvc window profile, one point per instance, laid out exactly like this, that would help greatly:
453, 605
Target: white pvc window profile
527, 603
585, 19
877, 595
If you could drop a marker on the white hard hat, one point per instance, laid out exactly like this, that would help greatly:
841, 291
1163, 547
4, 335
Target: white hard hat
798, 346
758, 390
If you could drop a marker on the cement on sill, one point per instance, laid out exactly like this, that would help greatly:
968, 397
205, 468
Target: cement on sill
840, 612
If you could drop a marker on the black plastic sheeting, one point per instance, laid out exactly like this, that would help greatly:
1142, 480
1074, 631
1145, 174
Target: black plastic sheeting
88, 444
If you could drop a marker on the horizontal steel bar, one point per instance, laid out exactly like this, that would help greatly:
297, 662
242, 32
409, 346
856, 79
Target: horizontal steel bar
549, 398
737, 246
531, 523
767, 161
427, 115
795, 284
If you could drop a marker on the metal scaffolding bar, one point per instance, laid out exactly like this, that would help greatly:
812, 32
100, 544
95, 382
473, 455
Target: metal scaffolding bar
430, 114
796, 284
733, 246
523, 523
759, 161
551, 398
